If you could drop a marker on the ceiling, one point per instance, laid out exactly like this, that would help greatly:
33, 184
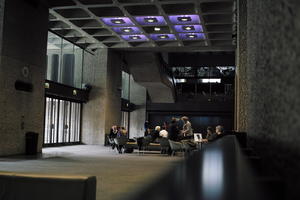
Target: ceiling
171, 25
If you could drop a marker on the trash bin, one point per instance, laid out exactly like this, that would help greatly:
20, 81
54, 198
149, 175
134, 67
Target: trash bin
31, 143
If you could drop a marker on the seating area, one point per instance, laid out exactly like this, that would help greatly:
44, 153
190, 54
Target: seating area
206, 169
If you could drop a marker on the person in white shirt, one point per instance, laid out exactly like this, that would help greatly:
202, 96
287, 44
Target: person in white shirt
163, 133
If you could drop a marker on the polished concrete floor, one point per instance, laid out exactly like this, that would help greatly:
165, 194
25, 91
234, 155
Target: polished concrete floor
118, 175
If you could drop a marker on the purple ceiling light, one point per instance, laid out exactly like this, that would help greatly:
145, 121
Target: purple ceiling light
117, 21
134, 38
157, 37
192, 36
184, 19
151, 20
188, 28
127, 30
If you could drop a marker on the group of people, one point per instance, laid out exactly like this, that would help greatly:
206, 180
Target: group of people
171, 130
179, 129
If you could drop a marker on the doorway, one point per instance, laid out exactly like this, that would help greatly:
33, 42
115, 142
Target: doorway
62, 122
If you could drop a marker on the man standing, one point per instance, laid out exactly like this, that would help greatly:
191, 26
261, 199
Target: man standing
187, 127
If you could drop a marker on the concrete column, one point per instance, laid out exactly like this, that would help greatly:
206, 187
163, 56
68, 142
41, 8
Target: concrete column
273, 49
241, 85
103, 72
138, 96
23, 41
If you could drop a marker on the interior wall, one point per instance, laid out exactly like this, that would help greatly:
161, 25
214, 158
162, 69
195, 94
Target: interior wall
273, 74
24, 44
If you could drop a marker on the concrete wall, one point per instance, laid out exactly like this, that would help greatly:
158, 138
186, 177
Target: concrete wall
138, 95
273, 76
24, 44
103, 72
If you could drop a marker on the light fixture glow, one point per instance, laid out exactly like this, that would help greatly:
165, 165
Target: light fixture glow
135, 37
181, 80
184, 19
156, 37
127, 30
163, 36
117, 21
156, 29
211, 80
151, 20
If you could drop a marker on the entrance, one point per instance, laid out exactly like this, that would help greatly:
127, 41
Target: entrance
62, 122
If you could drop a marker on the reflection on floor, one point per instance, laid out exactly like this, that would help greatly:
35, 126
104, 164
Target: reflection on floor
117, 175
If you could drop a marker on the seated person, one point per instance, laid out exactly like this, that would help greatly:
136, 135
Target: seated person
211, 135
163, 133
122, 132
155, 134
219, 131
148, 132
112, 134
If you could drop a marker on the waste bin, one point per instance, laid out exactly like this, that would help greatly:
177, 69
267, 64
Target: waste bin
31, 143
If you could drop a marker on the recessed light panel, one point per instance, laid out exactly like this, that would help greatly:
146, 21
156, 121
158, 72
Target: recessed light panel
192, 36
188, 28
184, 19
117, 21
134, 38
151, 20
127, 30
158, 37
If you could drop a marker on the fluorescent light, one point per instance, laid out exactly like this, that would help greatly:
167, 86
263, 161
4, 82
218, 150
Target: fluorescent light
211, 80
182, 80
156, 28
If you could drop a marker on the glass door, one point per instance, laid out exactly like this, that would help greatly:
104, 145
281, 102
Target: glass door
62, 122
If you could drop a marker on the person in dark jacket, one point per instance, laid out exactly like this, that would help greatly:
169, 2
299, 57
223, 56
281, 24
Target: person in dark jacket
173, 130
155, 134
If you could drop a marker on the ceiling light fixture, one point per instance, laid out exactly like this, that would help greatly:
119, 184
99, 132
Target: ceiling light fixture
163, 36
135, 37
118, 21
151, 20
127, 30
184, 19
192, 36
188, 28
157, 29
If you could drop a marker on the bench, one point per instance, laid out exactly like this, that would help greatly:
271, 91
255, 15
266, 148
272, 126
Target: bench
18, 186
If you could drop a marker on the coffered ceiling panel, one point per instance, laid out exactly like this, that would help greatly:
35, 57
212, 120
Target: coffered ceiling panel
132, 24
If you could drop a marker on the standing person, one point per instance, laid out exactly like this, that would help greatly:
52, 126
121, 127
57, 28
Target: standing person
187, 127
146, 125
173, 130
